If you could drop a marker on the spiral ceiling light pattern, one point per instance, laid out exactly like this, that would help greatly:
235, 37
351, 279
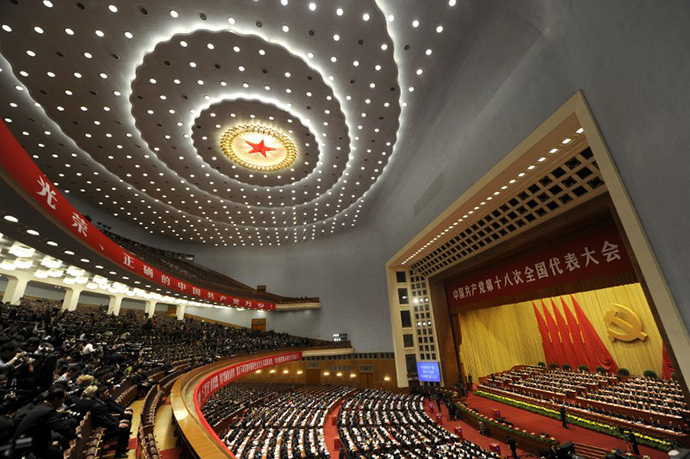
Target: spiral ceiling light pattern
125, 105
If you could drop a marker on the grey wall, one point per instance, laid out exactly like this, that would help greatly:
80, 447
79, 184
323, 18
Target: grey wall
518, 64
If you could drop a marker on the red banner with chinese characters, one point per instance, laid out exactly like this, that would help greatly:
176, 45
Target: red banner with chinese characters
595, 252
26, 174
212, 383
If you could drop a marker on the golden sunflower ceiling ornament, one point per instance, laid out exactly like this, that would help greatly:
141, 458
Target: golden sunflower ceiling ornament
258, 147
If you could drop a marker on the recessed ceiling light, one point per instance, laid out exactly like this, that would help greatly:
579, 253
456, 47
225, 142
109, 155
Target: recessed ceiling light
339, 11
11, 218
129, 35
100, 33
112, 8
173, 14
48, 3
439, 29
231, 21
312, 6
54, 244
38, 29
415, 23
428, 52
32, 232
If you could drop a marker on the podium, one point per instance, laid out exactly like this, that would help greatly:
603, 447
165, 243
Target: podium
336, 444
495, 447
458, 432
496, 413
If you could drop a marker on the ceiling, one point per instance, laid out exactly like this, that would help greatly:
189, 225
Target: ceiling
124, 104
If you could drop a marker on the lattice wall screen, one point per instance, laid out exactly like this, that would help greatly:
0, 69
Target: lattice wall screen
566, 183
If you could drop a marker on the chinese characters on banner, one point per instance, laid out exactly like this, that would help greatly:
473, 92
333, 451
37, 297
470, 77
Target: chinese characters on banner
598, 251
212, 383
19, 165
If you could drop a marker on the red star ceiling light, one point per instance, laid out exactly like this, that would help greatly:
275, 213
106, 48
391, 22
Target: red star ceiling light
259, 147
241, 143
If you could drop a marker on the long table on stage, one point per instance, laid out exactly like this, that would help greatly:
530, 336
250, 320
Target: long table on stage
680, 438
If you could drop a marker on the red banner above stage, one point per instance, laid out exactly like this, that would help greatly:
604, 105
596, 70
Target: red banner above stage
25, 173
596, 252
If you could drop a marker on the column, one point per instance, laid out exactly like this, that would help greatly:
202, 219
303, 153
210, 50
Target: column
180, 311
16, 286
71, 298
150, 308
115, 304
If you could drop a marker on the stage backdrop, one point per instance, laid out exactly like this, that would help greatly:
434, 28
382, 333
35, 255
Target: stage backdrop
497, 338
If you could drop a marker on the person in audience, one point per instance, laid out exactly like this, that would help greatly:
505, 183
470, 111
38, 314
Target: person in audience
42, 421
102, 417
43, 347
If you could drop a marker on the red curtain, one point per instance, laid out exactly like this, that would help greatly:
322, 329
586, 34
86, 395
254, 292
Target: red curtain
545, 339
667, 365
597, 353
564, 331
559, 355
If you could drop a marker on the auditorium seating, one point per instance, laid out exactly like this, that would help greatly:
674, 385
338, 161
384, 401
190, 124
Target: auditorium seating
288, 423
231, 399
377, 424
43, 346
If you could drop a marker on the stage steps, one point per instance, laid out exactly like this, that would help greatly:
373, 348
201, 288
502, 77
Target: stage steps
590, 452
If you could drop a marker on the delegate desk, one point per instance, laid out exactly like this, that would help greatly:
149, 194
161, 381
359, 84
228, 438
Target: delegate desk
680, 438
661, 417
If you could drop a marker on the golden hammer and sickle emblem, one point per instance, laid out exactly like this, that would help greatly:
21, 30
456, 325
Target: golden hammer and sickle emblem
628, 324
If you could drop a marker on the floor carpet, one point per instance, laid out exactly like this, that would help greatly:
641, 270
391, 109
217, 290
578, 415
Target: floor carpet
468, 432
330, 430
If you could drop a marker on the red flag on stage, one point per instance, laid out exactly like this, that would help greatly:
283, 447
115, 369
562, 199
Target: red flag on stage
545, 339
667, 365
596, 351
576, 335
556, 339
568, 347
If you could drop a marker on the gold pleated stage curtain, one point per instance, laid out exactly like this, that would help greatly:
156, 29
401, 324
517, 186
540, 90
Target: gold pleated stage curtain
497, 338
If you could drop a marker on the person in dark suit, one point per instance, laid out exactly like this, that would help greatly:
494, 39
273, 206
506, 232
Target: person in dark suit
102, 417
633, 443
512, 445
42, 421
564, 419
